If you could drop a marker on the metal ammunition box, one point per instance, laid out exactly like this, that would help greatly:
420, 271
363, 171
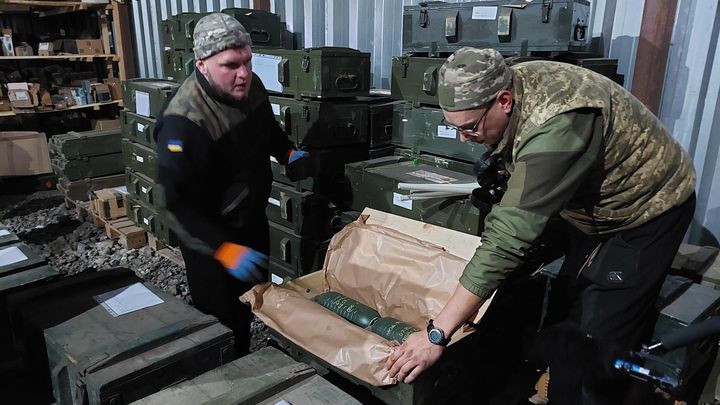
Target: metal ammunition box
302, 255
437, 161
76, 145
314, 72
89, 166
147, 97
150, 220
374, 184
549, 26
101, 357
306, 213
177, 31
138, 129
381, 152
140, 158
415, 79
421, 129
144, 189
265, 28
78, 190
7, 237
178, 64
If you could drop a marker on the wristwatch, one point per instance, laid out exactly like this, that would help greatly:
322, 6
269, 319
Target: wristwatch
436, 335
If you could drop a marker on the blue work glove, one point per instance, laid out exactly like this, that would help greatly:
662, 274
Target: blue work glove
300, 165
243, 263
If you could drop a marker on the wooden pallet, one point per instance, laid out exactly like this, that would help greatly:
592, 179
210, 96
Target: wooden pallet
82, 208
169, 252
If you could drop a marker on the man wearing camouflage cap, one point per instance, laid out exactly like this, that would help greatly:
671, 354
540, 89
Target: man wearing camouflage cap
580, 147
214, 142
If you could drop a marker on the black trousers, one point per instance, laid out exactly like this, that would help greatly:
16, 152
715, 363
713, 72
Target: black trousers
602, 305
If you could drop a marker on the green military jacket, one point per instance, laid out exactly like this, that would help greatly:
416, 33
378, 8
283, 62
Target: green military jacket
579, 145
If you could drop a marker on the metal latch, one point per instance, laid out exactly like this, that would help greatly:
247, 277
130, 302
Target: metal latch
423, 20
285, 208
306, 113
286, 250
405, 62
504, 22
306, 64
451, 27
429, 85
580, 30
546, 7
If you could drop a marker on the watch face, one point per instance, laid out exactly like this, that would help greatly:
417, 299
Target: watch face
435, 336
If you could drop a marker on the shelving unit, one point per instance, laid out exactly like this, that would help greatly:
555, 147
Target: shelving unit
94, 106
72, 57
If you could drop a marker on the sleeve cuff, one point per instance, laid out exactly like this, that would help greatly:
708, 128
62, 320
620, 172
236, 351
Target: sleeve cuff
479, 290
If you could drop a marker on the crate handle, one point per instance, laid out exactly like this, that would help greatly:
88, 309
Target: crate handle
260, 36
284, 71
286, 115
352, 82
286, 250
189, 66
429, 85
189, 28
285, 208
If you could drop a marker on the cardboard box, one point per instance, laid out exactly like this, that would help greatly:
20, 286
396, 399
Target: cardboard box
67, 97
46, 49
45, 99
83, 46
24, 153
23, 95
115, 87
100, 93
105, 124
24, 50
108, 203
5, 105
7, 45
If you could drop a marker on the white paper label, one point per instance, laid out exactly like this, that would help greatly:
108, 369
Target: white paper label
276, 279
128, 299
142, 103
266, 67
274, 201
146, 221
397, 200
140, 127
433, 177
272, 159
144, 190
276, 108
11, 255
4, 232
44, 46
22, 95
139, 159
446, 132
484, 13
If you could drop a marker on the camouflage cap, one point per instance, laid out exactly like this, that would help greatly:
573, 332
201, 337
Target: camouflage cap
471, 77
217, 32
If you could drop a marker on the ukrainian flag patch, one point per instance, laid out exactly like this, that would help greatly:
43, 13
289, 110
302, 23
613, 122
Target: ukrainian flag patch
175, 145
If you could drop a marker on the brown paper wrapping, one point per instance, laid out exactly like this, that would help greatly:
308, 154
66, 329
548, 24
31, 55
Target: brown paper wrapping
385, 268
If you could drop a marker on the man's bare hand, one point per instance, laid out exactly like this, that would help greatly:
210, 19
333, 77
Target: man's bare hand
413, 357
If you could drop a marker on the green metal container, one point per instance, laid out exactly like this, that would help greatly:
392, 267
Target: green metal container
7, 237
177, 31
415, 79
393, 329
144, 189
437, 161
306, 213
433, 28
150, 220
421, 130
147, 97
140, 158
78, 190
137, 128
76, 145
19, 257
265, 28
324, 72
87, 167
178, 64
374, 185
302, 254
354, 311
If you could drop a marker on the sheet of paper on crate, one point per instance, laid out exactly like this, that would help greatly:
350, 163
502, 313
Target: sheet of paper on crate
11, 255
128, 299
4, 232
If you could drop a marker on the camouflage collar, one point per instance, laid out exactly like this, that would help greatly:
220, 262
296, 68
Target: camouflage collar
215, 95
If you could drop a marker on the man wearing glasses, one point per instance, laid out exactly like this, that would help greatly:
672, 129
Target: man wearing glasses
581, 147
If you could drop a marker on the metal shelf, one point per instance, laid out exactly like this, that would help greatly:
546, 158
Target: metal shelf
94, 106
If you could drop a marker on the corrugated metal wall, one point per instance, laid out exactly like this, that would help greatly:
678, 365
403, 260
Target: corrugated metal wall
690, 107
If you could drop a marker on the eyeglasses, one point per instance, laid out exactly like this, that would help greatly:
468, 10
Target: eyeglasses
467, 131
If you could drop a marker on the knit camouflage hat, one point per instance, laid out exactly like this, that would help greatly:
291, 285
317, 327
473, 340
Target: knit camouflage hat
217, 32
471, 78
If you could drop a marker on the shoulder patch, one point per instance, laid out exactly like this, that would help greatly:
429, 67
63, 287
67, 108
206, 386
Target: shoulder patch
175, 145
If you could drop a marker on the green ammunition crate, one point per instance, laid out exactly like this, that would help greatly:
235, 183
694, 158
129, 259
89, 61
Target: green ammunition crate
177, 31
140, 158
382, 151
324, 72
76, 145
144, 189
433, 28
306, 213
78, 190
178, 64
19, 257
381, 119
102, 357
87, 167
415, 79
421, 129
437, 161
7, 237
138, 129
150, 220
303, 255
147, 97
265, 28
374, 184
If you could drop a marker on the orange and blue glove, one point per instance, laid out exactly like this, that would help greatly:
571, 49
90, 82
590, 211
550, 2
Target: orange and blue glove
243, 263
300, 166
